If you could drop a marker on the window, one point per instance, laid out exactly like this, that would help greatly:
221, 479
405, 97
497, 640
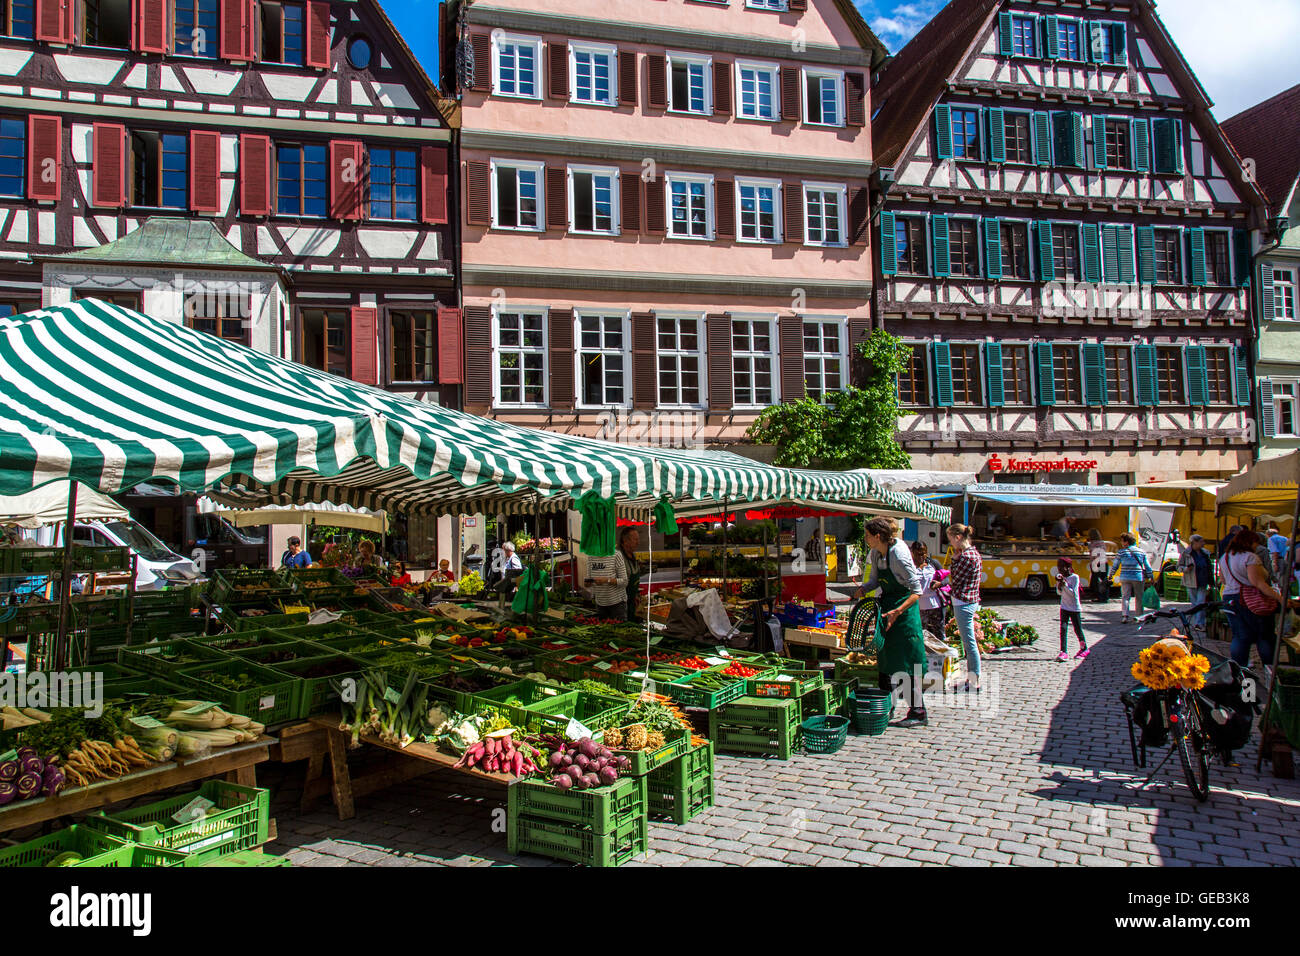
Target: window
823, 358
909, 237
1113, 478
1019, 141
1065, 251
593, 74
691, 200
752, 361
1218, 267
521, 358
1015, 250
966, 379
1168, 259
1169, 375
964, 246
593, 200
359, 53
196, 30
914, 379
10, 307
1015, 375
601, 359
392, 177
1218, 376
824, 215
413, 346
1066, 375
766, 4
1024, 36
18, 18
1284, 294
966, 134
106, 23
679, 346
516, 191
220, 312
159, 170
1284, 408
127, 300
1119, 374
516, 64
823, 98
325, 340
1117, 143
757, 85
13, 157
689, 84
300, 180
1067, 40
758, 210
283, 33
1109, 42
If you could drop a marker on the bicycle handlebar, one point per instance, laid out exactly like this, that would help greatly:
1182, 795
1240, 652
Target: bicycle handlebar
1181, 613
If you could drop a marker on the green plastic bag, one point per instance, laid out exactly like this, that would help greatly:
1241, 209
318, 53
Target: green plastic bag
1151, 598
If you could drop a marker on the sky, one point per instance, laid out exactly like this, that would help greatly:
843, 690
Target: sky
1241, 50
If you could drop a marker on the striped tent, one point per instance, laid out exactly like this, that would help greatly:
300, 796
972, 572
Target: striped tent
113, 398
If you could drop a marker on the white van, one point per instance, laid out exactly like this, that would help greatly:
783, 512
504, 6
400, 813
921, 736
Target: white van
157, 565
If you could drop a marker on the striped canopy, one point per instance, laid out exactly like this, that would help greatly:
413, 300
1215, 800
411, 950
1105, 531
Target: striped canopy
113, 398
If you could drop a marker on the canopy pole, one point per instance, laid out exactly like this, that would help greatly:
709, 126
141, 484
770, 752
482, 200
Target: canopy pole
60, 655
725, 580
537, 553
1284, 588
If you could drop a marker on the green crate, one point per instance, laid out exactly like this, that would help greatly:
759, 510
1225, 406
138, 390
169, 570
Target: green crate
758, 713
98, 611
463, 699
140, 684
531, 694
559, 665
687, 696
172, 602
399, 662
866, 674
829, 699
561, 841
96, 849
240, 820
320, 584
273, 700
774, 742
601, 809
166, 658
277, 655
248, 858
679, 806
235, 618
97, 645
30, 618
785, 683
692, 767
247, 586
169, 628
1287, 695
380, 621
645, 761
317, 694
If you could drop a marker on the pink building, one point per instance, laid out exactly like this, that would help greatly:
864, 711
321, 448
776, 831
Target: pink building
666, 208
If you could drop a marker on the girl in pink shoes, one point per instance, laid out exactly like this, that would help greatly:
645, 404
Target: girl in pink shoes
1067, 583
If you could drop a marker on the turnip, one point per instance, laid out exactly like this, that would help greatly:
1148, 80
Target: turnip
574, 773
608, 775
587, 746
624, 763
557, 759
582, 761
563, 781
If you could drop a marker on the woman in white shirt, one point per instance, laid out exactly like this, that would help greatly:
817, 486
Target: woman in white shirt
1067, 583
932, 606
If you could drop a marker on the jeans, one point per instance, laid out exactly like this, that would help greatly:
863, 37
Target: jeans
1075, 618
1197, 596
1100, 585
965, 614
613, 612
1249, 630
1130, 589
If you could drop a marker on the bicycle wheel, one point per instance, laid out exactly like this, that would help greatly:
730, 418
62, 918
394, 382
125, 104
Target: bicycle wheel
1194, 753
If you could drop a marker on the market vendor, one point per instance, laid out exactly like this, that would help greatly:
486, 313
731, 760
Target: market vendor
1063, 529
610, 590
903, 653
629, 539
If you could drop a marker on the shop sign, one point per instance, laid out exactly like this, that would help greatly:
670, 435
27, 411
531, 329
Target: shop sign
1013, 465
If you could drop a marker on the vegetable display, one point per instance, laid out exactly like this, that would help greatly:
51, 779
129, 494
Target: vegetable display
376, 708
497, 753
635, 737
737, 669
582, 764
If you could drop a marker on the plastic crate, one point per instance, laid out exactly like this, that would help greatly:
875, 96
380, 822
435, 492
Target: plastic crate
237, 618
687, 696
758, 713
141, 684
156, 629
317, 694
247, 586
462, 699
645, 761
273, 699
248, 858
1287, 695
561, 841
785, 683
678, 805
402, 661
96, 849
531, 694
563, 666
240, 820
600, 809
320, 584
168, 657
172, 602
866, 674
831, 698
695, 765
277, 656
794, 614
773, 742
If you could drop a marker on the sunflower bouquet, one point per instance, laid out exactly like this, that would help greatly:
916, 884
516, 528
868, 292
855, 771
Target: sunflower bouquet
1167, 664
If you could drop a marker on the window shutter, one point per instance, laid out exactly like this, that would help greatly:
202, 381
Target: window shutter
205, 171
993, 247
1042, 133
724, 208
557, 198
1242, 375
718, 346
657, 88
481, 45
1141, 145
1096, 42
44, 156
1267, 307
798, 6
1146, 243
855, 99
53, 21
888, 245
1046, 258
1005, 46
318, 35
236, 30
721, 88
559, 326
1076, 134
1099, 142
627, 77
433, 186
1144, 363
1124, 242
790, 336
480, 367
1196, 255
1167, 136
1046, 373
1119, 44
859, 216
993, 374
1094, 374
478, 194
645, 371
254, 175
656, 222
941, 352
790, 93
347, 179
451, 347
793, 212
364, 361
997, 135
1198, 386
941, 257
149, 18
629, 192
943, 131
1052, 37
1267, 413
108, 175
1241, 256
1091, 252
557, 63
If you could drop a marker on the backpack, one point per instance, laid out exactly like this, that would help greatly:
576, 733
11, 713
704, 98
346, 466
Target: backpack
942, 586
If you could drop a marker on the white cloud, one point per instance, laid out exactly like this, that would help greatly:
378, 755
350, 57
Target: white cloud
895, 24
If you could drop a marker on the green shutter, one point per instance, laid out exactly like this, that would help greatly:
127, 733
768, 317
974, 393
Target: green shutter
997, 135
1051, 37
1005, 46
993, 248
1124, 240
1141, 145
1198, 384
1099, 142
943, 131
1167, 138
942, 373
1091, 252
1242, 376
941, 258
1267, 414
1094, 374
1096, 41
888, 245
1144, 362
1046, 373
1110, 253
1046, 260
1076, 133
1241, 255
1042, 135
1196, 255
1119, 44
993, 373
1146, 236
1267, 307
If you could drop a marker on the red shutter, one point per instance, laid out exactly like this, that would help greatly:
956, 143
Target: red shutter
629, 188
205, 171
721, 88
859, 215
433, 185
236, 30
792, 196
557, 198
656, 222
54, 21
108, 175
478, 355
254, 175
790, 93
451, 350
149, 25
790, 336
855, 99
481, 44
645, 372
560, 327
318, 34
478, 195
627, 77
657, 88
365, 345
724, 209
347, 179
718, 346
44, 156
557, 61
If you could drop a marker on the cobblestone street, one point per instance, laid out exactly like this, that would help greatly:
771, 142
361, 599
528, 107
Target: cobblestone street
1040, 775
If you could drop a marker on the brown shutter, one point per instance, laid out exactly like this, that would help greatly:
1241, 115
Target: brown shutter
859, 329
560, 327
108, 175
629, 188
724, 208
149, 25
557, 198
44, 156
790, 93
859, 215
657, 87
557, 60
205, 171
718, 345
790, 336
855, 99
318, 35
627, 77
433, 185
54, 21
478, 355
364, 361
236, 30
721, 88
798, 6
656, 222
254, 175
793, 212
478, 194
645, 372
481, 45
347, 179
451, 350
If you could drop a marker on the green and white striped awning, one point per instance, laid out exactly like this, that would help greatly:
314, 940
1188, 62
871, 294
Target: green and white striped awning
113, 398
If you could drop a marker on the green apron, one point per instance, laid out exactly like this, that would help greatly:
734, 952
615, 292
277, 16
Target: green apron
633, 586
904, 645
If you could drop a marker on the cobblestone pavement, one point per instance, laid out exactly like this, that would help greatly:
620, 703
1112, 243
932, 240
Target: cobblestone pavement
1040, 775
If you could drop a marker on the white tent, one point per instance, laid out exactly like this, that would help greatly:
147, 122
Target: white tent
49, 505
322, 513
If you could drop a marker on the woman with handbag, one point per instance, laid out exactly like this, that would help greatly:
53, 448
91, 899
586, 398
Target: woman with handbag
1134, 571
902, 657
1250, 597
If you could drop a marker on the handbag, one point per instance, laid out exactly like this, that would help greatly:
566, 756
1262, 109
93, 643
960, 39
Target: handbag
1256, 601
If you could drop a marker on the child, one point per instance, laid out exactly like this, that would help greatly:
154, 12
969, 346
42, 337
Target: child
933, 608
1067, 582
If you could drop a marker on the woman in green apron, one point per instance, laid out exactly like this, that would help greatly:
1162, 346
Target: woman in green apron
629, 539
902, 659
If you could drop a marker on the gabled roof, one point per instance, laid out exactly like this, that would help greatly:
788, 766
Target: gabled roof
164, 241
1269, 133
866, 37
449, 109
